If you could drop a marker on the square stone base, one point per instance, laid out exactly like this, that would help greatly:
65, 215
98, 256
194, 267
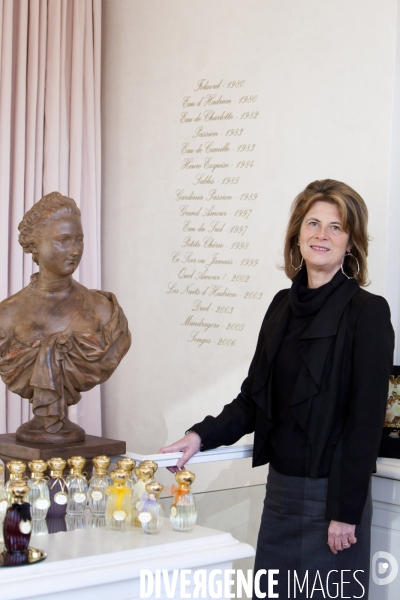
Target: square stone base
92, 445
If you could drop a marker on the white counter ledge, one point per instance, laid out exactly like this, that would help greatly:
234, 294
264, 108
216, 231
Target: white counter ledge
105, 565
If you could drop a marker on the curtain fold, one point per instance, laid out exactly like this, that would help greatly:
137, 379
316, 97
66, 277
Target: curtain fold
49, 141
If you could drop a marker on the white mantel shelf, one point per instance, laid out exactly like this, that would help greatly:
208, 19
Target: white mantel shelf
101, 564
217, 454
386, 467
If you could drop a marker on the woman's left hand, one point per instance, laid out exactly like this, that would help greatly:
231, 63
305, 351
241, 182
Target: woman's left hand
340, 536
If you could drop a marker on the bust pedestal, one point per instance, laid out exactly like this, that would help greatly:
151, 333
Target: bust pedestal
91, 446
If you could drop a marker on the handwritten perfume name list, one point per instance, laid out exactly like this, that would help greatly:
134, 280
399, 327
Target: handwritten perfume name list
215, 201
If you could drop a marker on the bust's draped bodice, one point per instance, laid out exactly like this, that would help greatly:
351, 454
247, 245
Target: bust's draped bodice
52, 371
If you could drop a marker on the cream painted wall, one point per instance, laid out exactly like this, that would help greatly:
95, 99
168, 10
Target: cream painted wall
325, 73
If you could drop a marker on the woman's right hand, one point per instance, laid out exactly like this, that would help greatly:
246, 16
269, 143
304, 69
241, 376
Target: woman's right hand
189, 445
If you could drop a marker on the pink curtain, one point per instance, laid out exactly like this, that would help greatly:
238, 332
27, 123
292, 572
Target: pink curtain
49, 141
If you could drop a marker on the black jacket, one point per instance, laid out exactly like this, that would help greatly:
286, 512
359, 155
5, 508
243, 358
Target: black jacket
339, 398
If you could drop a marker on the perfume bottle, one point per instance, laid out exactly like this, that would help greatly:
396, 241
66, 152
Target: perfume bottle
77, 486
17, 525
183, 513
39, 527
127, 464
39, 493
17, 470
152, 514
56, 524
97, 486
97, 521
58, 488
75, 522
152, 464
144, 474
119, 502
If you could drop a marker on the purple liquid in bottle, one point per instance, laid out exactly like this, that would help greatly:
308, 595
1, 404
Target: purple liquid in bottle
15, 540
57, 491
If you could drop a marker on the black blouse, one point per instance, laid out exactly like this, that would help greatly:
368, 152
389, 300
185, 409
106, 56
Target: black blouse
288, 443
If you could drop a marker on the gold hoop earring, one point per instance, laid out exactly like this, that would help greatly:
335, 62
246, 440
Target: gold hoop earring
291, 260
342, 264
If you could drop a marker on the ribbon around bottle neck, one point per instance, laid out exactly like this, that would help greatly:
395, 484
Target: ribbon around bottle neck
178, 493
24, 510
60, 480
120, 492
37, 480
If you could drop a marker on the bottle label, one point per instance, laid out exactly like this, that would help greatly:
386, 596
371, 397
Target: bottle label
41, 503
61, 498
79, 497
119, 515
144, 517
173, 511
25, 527
97, 495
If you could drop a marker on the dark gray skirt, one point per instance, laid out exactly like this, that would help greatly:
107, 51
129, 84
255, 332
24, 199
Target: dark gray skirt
293, 539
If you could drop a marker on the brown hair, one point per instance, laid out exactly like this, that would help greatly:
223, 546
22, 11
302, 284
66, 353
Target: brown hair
354, 216
46, 209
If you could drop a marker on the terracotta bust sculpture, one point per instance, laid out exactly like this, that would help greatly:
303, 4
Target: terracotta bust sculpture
57, 338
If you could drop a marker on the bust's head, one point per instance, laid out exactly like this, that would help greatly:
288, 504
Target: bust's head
48, 228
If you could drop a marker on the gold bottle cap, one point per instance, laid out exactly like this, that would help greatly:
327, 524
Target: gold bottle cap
17, 469
56, 466
76, 464
119, 476
126, 464
101, 464
185, 479
154, 488
144, 472
37, 467
18, 490
151, 464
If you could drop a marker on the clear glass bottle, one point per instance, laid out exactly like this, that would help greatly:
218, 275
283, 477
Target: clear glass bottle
17, 525
17, 469
39, 493
119, 502
144, 474
39, 527
77, 486
75, 522
183, 513
58, 488
97, 486
152, 515
97, 521
127, 464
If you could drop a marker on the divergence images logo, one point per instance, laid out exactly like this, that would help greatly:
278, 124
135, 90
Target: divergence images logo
382, 567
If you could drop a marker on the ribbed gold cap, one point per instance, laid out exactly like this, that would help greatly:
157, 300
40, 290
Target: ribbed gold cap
17, 469
143, 472
37, 467
18, 490
101, 464
185, 478
56, 466
154, 488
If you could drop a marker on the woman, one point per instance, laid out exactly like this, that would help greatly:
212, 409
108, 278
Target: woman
315, 396
57, 338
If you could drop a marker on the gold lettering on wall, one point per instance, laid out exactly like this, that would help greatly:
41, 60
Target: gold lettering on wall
215, 203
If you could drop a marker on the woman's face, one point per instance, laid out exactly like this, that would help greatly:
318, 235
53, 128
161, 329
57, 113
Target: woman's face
323, 243
60, 246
